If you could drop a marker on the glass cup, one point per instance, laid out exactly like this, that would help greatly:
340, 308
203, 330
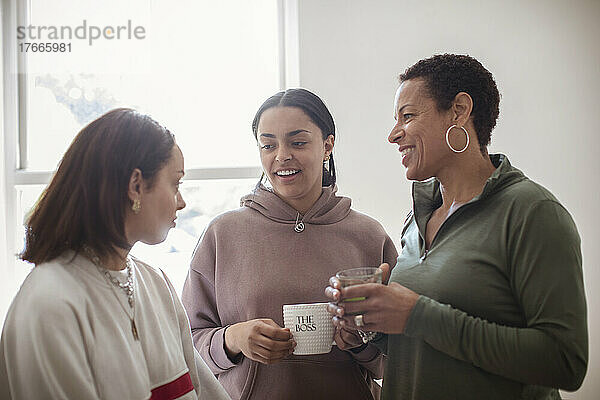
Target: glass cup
358, 276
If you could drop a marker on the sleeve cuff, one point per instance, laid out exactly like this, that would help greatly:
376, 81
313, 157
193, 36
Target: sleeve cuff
217, 350
380, 342
414, 323
369, 353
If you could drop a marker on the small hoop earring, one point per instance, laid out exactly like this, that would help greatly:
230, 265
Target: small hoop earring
264, 180
448, 141
137, 206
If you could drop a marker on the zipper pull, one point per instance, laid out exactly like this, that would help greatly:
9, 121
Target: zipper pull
424, 256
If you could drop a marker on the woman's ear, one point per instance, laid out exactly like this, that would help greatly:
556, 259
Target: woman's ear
462, 106
329, 142
135, 187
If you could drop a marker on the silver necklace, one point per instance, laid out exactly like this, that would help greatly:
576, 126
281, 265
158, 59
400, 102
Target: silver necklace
126, 287
299, 226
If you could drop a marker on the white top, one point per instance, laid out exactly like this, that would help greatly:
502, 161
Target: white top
67, 337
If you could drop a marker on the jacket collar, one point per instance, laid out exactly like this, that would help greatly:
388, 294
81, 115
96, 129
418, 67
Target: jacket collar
427, 196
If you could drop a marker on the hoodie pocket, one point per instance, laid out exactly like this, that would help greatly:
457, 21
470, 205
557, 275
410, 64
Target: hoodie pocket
297, 379
239, 380
250, 378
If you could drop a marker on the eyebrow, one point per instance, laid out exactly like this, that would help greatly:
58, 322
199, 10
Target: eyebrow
292, 133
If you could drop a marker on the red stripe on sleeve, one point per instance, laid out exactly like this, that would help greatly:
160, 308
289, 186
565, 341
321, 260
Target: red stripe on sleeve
173, 389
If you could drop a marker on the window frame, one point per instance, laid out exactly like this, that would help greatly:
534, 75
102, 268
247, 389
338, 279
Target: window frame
13, 119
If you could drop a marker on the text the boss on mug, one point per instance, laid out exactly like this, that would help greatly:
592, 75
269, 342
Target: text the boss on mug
305, 323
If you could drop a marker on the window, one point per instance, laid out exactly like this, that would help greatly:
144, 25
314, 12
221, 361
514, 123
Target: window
201, 68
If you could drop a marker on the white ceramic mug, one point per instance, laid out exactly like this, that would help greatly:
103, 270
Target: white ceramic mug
311, 326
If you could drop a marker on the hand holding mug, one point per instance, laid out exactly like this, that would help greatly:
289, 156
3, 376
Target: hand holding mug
260, 340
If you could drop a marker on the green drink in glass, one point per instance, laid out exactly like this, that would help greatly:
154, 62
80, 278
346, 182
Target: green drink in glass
358, 276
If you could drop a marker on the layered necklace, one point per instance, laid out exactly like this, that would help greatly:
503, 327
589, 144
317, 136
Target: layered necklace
127, 287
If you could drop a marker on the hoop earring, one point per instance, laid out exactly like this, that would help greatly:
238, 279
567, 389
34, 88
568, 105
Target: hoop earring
264, 181
326, 163
448, 141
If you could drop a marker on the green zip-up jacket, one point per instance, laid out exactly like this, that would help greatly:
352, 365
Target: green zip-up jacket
502, 311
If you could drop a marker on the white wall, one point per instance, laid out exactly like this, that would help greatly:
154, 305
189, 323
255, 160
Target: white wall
546, 60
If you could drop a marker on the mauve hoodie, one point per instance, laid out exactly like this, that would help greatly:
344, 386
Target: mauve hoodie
249, 262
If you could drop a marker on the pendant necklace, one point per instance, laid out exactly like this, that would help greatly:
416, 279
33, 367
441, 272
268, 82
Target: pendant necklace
127, 286
299, 225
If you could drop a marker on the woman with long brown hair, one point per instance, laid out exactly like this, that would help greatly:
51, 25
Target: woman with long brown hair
91, 321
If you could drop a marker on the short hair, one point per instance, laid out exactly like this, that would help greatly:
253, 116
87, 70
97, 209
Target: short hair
85, 203
446, 75
317, 111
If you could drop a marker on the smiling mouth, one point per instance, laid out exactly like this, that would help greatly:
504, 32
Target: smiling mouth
287, 172
407, 150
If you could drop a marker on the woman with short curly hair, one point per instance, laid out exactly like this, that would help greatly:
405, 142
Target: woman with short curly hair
486, 300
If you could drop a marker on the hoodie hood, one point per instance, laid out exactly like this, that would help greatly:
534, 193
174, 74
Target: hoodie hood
328, 209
